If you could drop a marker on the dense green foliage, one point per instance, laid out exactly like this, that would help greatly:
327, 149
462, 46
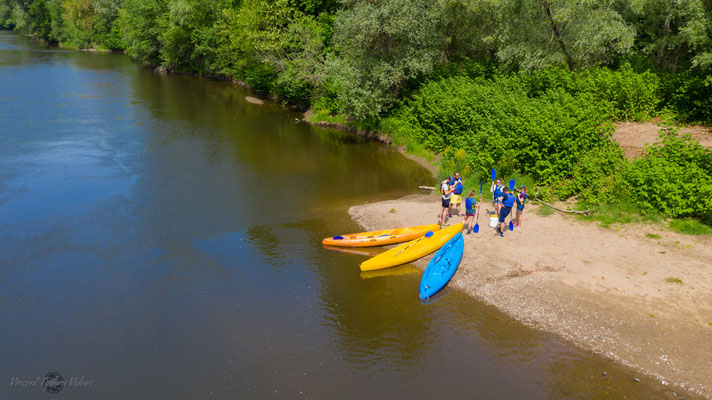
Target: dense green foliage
526, 86
674, 177
553, 128
360, 59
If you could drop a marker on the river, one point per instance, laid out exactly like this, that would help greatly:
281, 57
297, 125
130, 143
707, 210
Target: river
160, 238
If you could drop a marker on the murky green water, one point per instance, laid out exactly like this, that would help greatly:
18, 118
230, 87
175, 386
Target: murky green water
160, 238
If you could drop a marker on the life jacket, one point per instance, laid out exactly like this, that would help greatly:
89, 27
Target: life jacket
470, 204
498, 190
522, 198
458, 187
508, 200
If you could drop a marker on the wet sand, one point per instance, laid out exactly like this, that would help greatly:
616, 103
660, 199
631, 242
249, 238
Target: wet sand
643, 302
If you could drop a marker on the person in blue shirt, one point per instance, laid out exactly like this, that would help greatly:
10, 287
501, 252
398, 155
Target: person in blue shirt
497, 193
521, 199
506, 208
470, 207
456, 196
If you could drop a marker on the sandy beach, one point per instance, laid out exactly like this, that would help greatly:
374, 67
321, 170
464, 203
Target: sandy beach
641, 301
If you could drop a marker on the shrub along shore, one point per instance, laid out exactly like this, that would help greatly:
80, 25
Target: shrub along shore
531, 89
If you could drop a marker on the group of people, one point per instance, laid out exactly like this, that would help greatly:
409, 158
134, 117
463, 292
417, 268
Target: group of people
503, 200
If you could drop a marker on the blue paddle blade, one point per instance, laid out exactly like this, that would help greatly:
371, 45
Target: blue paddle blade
511, 226
493, 174
338, 238
476, 228
429, 234
480, 187
511, 184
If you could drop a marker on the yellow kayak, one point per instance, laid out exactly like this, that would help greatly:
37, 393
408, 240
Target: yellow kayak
412, 250
380, 238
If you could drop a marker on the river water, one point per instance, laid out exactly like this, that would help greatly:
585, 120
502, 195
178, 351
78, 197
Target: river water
160, 238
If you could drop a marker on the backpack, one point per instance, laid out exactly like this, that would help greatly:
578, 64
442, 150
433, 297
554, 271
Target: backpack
442, 192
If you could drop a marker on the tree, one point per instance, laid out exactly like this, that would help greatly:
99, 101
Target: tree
140, 30
671, 32
534, 34
274, 46
380, 45
186, 34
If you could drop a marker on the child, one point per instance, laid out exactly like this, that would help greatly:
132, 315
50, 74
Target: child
497, 194
521, 199
445, 195
470, 206
507, 203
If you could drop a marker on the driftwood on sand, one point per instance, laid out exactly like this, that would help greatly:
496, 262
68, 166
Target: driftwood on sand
426, 188
254, 100
584, 212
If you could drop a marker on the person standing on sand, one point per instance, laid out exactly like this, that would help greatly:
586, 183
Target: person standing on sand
521, 199
470, 206
506, 208
497, 193
456, 195
445, 194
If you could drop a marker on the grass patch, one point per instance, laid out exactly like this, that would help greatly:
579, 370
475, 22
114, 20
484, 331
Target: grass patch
652, 236
690, 227
673, 280
324, 116
545, 211
393, 210
622, 212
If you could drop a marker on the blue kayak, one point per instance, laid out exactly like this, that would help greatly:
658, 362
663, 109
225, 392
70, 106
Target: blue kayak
442, 267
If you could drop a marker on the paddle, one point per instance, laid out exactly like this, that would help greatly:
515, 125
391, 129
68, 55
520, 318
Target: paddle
493, 175
511, 189
477, 224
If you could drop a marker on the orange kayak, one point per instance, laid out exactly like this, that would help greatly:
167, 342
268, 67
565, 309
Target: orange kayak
380, 238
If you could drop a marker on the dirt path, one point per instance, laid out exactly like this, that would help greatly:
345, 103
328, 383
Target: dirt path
633, 136
613, 291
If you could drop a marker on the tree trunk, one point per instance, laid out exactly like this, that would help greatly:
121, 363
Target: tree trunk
662, 62
679, 49
557, 34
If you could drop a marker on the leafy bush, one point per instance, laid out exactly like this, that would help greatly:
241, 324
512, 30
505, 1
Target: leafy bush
674, 177
630, 95
624, 93
688, 94
598, 177
498, 125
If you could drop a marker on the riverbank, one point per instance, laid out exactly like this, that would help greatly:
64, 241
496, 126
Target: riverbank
643, 301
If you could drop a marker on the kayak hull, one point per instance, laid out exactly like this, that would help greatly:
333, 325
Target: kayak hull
442, 267
380, 238
413, 250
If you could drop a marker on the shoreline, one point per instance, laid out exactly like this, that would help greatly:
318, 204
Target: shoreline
644, 303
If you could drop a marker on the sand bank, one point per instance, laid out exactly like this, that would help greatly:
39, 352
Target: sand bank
643, 302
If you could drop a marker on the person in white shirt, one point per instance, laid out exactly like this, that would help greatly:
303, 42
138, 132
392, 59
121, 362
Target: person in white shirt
445, 194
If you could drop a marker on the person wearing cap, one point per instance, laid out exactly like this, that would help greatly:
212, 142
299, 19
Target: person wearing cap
506, 208
521, 199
